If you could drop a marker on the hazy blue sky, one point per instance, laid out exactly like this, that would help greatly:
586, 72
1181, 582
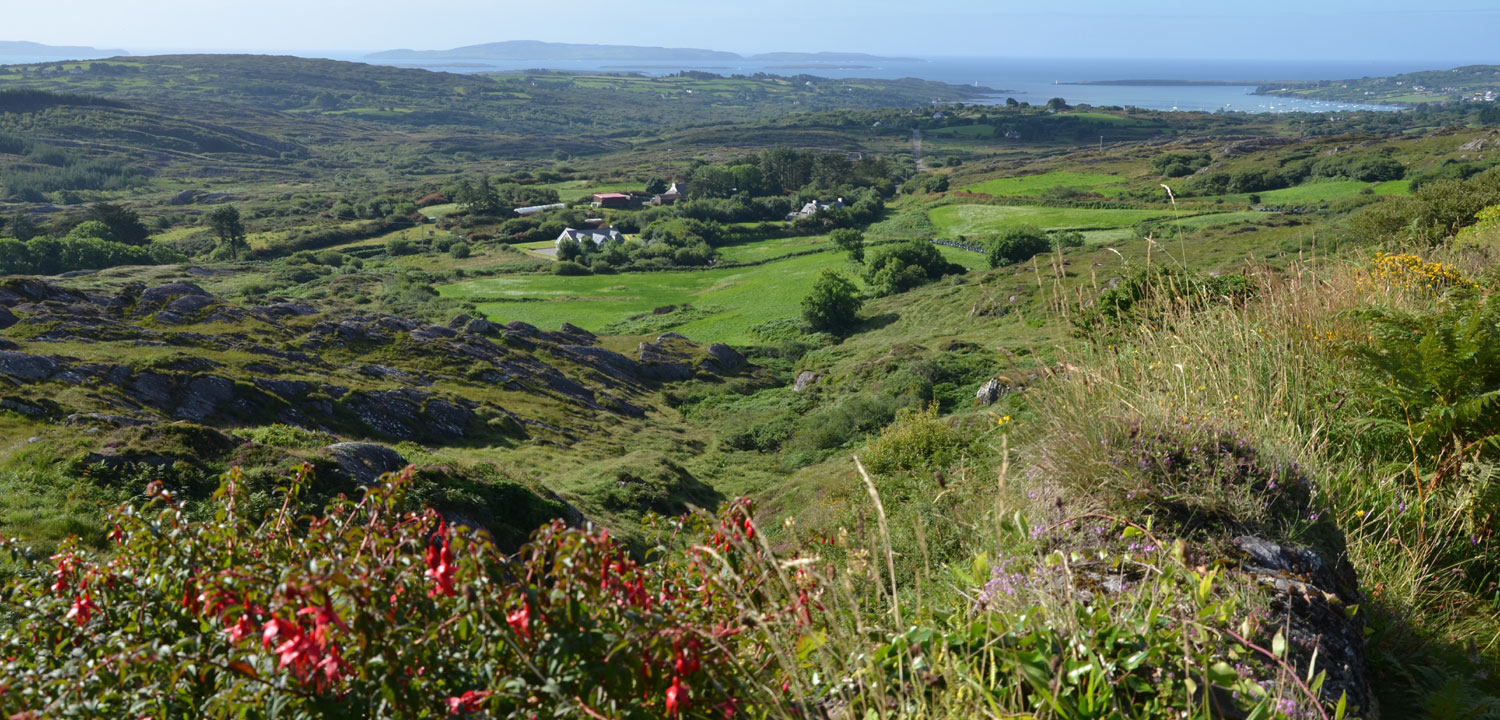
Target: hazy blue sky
1265, 29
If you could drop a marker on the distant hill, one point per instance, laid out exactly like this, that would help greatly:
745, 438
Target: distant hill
537, 50
827, 57
1473, 83
23, 47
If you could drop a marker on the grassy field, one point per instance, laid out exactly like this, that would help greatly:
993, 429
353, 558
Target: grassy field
975, 220
1035, 185
736, 299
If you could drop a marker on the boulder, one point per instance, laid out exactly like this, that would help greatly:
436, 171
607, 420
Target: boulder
363, 462
1315, 602
7, 318
722, 359
162, 294
805, 380
991, 391
26, 368
205, 398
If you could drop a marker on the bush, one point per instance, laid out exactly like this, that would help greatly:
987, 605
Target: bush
1017, 244
917, 440
902, 266
377, 609
833, 303
459, 250
568, 267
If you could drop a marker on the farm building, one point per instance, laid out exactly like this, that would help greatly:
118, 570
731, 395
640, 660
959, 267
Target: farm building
611, 200
813, 208
597, 237
672, 196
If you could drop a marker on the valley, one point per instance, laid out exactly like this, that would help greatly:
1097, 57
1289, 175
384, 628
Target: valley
722, 382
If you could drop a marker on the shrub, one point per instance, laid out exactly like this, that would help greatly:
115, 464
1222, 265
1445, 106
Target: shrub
918, 439
901, 266
833, 303
568, 267
459, 250
1016, 245
376, 609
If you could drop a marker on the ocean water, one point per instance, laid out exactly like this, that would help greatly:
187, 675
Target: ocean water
1033, 80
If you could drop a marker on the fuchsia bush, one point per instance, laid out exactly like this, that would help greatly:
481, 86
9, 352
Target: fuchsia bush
372, 609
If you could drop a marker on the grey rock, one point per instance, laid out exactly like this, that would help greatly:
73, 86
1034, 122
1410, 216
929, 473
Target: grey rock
722, 359
363, 462
205, 398
190, 304
26, 368
8, 345
991, 391
1314, 601
433, 332
805, 380
162, 294
7, 318
285, 310
447, 420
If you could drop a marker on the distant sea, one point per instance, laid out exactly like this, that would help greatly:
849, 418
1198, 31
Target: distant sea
1033, 80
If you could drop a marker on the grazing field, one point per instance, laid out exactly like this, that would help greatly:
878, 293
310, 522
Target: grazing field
767, 249
734, 299
975, 220
1035, 185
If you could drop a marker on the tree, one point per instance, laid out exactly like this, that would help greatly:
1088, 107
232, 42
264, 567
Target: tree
1056, 104
851, 241
1017, 244
833, 305
125, 224
22, 227
656, 186
902, 266
225, 222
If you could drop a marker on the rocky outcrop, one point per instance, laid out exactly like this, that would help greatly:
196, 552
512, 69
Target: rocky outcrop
1314, 601
805, 380
364, 463
388, 368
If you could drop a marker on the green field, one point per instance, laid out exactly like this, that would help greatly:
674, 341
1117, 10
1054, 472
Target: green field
975, 220
767, 249
738, 298
1035, 185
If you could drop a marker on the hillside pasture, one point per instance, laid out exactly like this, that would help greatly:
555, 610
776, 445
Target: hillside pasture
1036, 185
730, 301
978, 220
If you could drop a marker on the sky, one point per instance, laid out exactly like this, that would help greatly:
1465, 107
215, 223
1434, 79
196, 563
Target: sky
1438, 30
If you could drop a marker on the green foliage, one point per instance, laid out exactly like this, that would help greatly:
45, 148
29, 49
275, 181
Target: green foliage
570, 268
898, 267
851, 241
1017, 244
225, 223
372, 609
1148, 295
833, 303
1434, 376
917, 440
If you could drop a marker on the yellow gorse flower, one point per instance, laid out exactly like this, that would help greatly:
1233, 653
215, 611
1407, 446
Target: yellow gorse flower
1409, 272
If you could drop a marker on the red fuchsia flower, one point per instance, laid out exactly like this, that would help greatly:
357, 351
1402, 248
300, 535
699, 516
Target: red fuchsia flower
83, 608
117, 535
242, 629
64, 569
520, 620
440, 565
190, 601
676, 696
471, 701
